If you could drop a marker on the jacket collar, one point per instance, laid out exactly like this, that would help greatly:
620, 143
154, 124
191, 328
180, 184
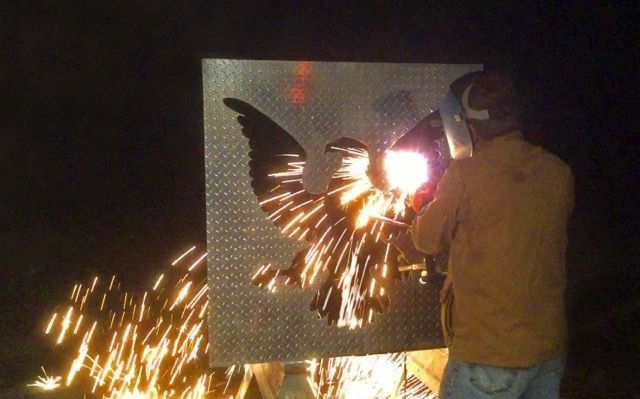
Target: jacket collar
497, 141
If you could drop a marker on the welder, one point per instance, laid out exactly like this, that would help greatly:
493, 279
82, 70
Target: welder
501, 210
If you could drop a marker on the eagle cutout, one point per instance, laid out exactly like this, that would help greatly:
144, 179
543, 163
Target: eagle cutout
345, 245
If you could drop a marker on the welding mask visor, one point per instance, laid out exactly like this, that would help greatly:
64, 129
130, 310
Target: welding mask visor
455, 127
454, 116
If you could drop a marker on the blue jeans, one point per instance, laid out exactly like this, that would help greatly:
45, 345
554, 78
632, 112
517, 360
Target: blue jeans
463, 380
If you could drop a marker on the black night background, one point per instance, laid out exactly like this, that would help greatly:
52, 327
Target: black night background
101, 141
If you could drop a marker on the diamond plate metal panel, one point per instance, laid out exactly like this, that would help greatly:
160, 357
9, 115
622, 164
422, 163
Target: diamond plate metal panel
316, 102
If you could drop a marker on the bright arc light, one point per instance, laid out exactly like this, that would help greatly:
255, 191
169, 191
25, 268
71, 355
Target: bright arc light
406, 170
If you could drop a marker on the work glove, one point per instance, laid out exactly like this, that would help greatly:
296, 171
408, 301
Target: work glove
404, 244
422, 196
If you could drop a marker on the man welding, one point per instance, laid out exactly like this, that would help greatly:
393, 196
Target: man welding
501, 210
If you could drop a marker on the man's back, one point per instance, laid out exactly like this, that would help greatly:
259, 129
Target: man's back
509, 206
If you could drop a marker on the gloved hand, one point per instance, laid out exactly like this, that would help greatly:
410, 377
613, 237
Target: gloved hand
404, 244
422, 196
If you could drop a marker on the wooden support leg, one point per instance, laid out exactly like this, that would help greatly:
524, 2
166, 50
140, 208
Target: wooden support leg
269, 377
399, 384
244, 384
428, 366
277, 381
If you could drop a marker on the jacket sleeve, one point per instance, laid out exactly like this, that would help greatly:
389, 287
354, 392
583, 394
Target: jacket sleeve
435, 225
570, 191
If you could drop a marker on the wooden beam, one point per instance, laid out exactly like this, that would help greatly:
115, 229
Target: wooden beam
269, 377
428, 366
244, 384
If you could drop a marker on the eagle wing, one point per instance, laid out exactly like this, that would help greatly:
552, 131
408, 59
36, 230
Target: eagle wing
275, 166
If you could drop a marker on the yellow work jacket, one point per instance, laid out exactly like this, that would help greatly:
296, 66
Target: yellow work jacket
502, 214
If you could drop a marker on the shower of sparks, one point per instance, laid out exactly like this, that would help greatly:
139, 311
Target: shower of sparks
350, 285
371, 377
338, 244
406, 171
154, 345
46, 382
150, 344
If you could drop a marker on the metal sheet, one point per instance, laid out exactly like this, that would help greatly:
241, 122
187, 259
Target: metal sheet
316, 102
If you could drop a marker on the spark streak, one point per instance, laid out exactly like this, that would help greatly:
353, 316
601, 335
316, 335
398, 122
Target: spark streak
175, 262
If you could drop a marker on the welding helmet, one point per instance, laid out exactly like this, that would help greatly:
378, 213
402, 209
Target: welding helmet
495, 95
